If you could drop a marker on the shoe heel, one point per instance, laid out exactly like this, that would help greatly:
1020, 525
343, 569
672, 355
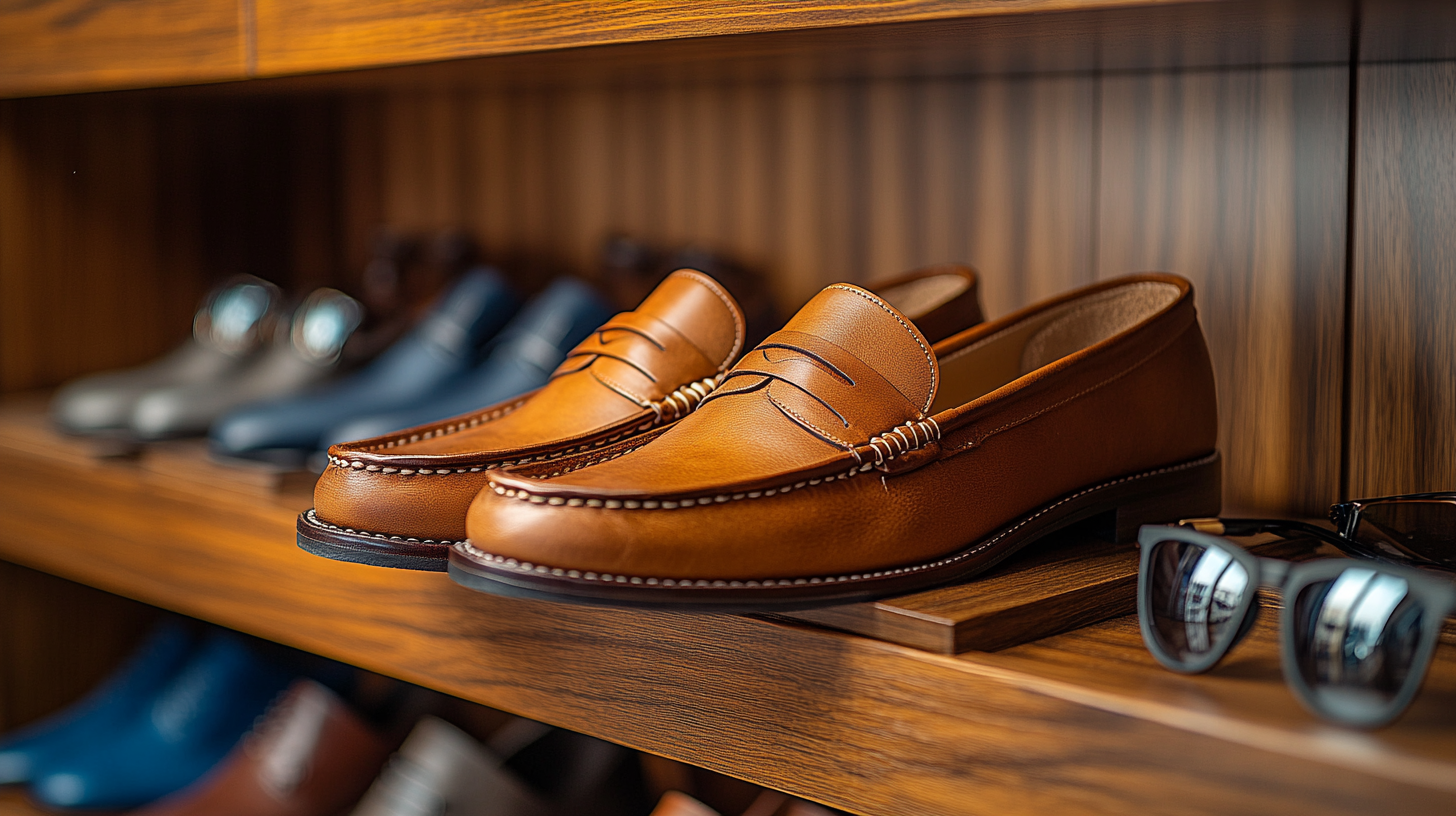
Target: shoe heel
1183, 492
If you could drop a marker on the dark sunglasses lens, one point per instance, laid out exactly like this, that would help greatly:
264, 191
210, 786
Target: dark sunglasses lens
1419, 530
1355, 640
1194, 594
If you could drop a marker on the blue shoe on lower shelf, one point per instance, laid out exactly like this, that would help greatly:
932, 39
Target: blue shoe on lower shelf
100, 715
188, 728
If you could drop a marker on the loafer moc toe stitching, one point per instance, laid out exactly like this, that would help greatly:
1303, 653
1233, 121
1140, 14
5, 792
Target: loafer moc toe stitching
400, 500
847, 457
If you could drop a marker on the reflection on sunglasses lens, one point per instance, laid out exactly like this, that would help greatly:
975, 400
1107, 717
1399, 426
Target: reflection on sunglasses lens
1356, 638
1194, 593
1411, 528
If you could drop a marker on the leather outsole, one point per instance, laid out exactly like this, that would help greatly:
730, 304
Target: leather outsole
330, 541
1181, 490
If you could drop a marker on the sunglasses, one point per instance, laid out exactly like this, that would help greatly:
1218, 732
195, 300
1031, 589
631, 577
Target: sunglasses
1356, 636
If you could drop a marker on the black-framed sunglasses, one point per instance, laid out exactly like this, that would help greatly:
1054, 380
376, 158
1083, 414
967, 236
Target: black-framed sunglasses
1356, 636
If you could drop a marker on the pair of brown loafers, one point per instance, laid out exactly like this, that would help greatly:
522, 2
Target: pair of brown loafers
881, 442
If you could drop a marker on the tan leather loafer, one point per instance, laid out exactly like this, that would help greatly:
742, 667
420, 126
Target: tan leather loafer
400, 500
846, 458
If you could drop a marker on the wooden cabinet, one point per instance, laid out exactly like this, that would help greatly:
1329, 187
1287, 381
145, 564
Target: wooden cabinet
61, 46
1292, 158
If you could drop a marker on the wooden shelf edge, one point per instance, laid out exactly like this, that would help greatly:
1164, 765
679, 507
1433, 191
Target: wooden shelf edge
873, 727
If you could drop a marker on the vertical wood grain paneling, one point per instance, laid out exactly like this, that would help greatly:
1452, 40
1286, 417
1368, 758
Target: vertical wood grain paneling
1403, 293
1236, 180
57, 639
118, 212
814, 181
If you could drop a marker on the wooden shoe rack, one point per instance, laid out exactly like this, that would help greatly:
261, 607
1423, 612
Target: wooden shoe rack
1293, 158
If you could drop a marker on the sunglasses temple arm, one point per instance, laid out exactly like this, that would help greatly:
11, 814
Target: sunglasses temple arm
1246, 527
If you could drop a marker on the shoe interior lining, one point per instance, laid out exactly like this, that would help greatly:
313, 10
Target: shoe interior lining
1044, 338
920, 297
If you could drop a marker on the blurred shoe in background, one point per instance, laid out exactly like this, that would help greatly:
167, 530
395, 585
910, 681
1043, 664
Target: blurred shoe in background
447, 343
303, 352
233, 325
193, 722
520, 359
100, 715
768, 803
310, 755
631, 269
747, 285
528, 769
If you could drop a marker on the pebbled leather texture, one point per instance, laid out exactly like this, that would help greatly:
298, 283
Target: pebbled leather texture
309, 756
639, 372
846, 444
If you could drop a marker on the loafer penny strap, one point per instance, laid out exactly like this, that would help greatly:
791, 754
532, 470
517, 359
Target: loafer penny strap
659, 353
821, 387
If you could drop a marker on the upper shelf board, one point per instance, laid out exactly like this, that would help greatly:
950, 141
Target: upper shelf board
66, 46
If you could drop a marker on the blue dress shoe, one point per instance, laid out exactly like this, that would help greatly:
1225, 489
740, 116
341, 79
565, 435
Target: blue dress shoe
98, 715
188, 728
520, 359
446, 344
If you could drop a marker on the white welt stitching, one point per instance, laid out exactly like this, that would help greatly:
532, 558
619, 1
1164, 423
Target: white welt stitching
312, 518
499, 561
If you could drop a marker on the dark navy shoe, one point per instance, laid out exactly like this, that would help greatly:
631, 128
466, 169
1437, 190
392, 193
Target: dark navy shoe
188, 728
97, 716
520, 359
445, 345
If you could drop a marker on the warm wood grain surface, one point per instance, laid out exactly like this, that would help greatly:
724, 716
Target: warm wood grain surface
13, 803
67, 45
57, 640
1403, 290
50, 46
119, 211
320, 35
815, 182
1065, 582
84, 282
874, 727
1236, 179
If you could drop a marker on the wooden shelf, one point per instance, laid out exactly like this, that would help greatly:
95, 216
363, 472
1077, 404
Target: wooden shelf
14, 803
1079, 722
64, 46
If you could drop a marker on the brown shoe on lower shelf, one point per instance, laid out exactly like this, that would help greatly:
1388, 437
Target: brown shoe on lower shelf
310, 756
769, 803
846, 458
400, 500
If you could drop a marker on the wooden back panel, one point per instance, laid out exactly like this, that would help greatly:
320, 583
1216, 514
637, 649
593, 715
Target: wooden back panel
118, 210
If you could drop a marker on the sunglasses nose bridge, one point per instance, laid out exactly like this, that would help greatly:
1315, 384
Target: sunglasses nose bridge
1273, 573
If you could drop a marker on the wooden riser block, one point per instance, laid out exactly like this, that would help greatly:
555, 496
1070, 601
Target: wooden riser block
1068, 580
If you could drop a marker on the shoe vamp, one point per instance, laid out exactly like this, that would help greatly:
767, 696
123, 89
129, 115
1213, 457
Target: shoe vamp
567, 409
746, 444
